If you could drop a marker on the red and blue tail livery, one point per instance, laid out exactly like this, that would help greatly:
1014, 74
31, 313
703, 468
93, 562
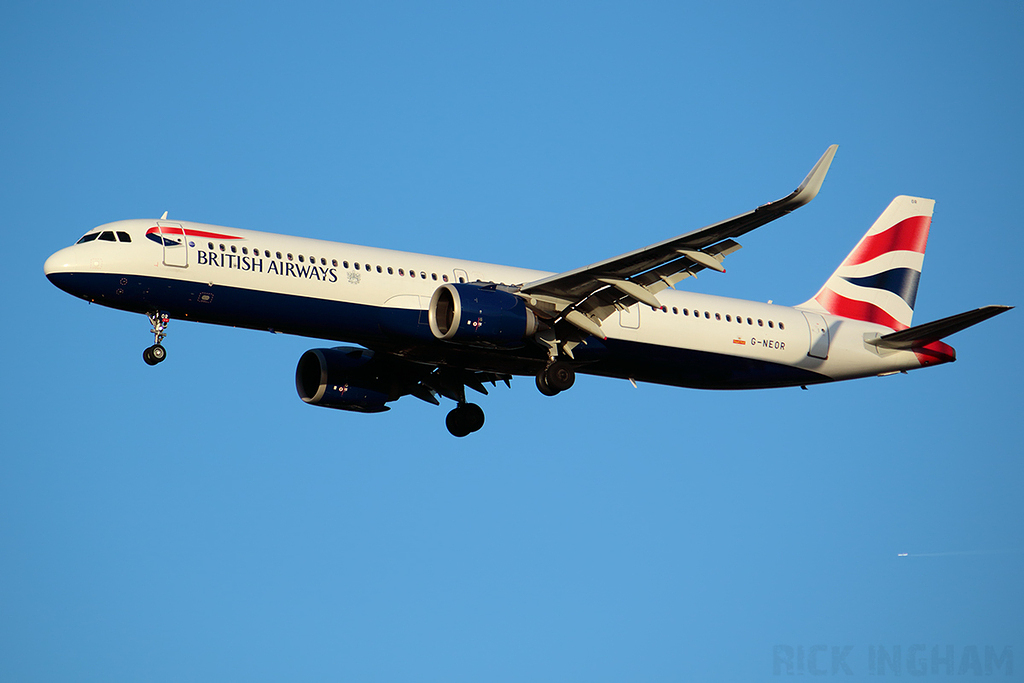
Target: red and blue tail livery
434, 327
878, 281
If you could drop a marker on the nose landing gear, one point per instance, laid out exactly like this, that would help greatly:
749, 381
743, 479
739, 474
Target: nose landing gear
157, 353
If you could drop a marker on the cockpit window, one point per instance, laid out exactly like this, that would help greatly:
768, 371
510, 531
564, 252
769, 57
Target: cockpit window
107, 236
123, 236
88, 238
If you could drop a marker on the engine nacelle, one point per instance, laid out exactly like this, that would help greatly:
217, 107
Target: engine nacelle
480, 314
344, 378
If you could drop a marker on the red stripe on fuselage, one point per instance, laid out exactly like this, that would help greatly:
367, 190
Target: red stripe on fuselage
836, 304
910, 234
170, 230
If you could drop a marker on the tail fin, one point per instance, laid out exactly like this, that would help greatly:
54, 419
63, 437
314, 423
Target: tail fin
878, 280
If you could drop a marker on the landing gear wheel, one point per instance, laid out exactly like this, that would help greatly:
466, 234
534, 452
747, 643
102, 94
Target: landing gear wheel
154, 354
555, 378
464, 419
474, 416
542, 385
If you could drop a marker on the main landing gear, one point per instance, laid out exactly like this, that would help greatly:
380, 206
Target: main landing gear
157, 353
557, 377
465, 419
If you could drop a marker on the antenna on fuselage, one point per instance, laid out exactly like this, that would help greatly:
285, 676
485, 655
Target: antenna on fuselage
164, 217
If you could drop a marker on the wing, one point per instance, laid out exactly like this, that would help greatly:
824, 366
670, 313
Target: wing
588, 295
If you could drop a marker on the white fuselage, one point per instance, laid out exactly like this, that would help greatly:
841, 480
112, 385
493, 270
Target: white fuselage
378, 297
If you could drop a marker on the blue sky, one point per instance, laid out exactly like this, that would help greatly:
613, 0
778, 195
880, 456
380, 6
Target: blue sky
198, 521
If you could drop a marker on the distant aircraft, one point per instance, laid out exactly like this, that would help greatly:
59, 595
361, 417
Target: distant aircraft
431, 326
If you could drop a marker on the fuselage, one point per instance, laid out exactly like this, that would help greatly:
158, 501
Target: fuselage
379, 298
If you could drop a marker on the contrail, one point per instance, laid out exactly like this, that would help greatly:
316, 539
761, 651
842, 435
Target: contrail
957, 552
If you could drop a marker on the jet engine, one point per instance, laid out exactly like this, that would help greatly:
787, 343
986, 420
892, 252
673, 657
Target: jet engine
479, 314
345, 378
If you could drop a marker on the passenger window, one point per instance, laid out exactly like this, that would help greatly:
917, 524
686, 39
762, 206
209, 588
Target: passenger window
245, 250
301, 260
728, 318
686, 311
312, 259
675, 311
210, 245
356, 266
323, 261
391, 271
334, 262
433, 275
760, 323
423, 275
749, 321
781, 326
234, 249
707, 315
401, 271
123, 236
107, 236
379, 270
696, 313
771, 324
88, 238
718, 316
278, 254
290, 258
445, 278
344, 264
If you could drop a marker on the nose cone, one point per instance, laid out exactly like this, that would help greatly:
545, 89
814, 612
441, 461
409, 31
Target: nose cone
61, 268
59, 262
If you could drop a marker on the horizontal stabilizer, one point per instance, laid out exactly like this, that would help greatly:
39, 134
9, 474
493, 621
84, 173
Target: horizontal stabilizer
921, 335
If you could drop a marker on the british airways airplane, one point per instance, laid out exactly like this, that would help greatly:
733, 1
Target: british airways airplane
430, 326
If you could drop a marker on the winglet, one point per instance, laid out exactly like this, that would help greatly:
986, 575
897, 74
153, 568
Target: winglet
809, 188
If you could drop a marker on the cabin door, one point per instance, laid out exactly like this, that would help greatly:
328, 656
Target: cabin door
175, 244
819, 335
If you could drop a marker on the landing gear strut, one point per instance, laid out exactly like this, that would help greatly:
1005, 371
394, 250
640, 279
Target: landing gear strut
555, 378
465, 419
157, 353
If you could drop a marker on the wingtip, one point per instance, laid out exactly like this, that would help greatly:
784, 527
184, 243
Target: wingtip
809, 188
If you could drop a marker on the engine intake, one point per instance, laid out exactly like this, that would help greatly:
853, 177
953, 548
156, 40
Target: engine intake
480, 314
344, 378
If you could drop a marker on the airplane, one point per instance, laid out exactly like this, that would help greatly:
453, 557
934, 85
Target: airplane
430, 326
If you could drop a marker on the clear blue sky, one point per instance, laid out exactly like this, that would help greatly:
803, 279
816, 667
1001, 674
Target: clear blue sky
197, 521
